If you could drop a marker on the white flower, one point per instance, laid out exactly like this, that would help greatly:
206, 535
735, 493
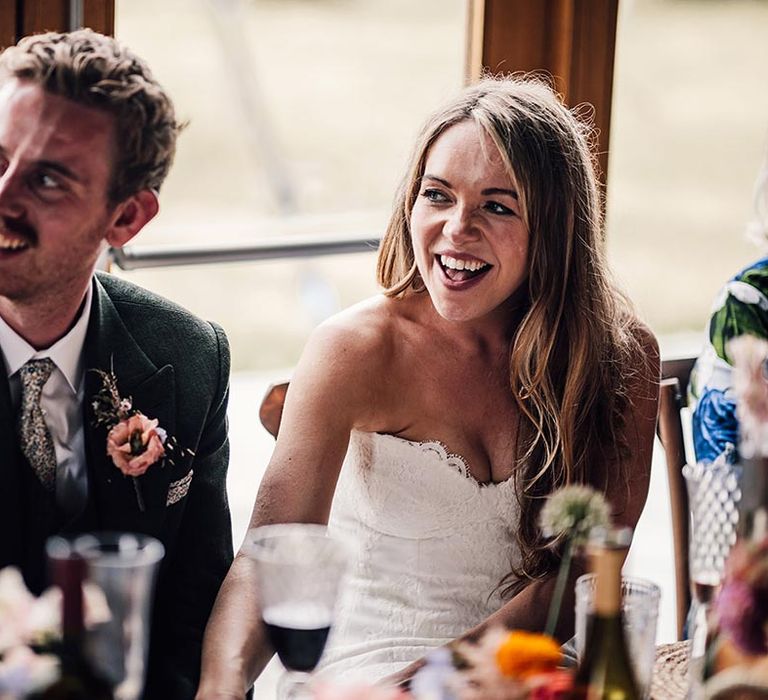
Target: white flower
23, 618
573, 511
750, 385
23, 672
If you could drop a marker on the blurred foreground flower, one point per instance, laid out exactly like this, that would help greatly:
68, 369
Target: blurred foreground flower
23, 672
27, 621
570, 514
741, 607
750, 384
515, 665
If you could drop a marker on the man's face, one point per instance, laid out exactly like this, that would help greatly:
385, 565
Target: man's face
56, 158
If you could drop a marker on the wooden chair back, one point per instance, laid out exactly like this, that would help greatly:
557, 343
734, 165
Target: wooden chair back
673, 397
271, 408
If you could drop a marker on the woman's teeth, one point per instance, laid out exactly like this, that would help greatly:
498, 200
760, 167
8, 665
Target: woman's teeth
456, 264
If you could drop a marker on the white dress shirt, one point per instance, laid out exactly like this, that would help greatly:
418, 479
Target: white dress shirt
61, 401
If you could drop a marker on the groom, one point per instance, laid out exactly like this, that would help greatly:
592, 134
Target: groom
86, 139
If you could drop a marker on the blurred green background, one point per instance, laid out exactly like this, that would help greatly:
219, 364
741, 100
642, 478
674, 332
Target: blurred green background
301, 114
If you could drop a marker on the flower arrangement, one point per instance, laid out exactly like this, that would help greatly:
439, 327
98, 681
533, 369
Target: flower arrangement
134, 441
514, 665
568, 517
28, 626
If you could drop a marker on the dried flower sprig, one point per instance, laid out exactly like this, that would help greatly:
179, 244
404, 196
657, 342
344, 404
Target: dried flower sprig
134, 442
570, 514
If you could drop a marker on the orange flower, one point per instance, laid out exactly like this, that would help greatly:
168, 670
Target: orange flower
523, 654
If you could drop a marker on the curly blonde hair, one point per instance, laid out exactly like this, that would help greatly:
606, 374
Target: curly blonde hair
573, 351
97, 71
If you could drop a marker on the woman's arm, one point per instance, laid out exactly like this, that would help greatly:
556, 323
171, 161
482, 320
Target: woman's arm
328, 396
626, 491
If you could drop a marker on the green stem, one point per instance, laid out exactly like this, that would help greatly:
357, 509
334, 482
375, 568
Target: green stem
557, 595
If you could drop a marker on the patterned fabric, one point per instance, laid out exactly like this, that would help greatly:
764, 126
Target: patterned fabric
178, 489
34, 437
741, 308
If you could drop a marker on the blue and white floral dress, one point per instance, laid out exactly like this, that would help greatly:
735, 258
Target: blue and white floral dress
740, 308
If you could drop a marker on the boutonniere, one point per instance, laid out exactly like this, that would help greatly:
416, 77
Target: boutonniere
134, 441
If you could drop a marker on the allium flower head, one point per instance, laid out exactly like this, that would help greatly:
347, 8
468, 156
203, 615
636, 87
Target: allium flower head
573, 511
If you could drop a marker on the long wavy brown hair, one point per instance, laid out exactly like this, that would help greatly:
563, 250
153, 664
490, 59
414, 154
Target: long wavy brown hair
573, 351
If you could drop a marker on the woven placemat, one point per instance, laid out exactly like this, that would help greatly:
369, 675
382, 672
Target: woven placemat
670, 672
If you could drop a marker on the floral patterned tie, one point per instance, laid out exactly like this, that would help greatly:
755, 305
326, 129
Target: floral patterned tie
34, 437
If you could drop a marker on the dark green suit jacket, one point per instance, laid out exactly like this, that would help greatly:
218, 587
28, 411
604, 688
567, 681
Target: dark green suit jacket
176, 369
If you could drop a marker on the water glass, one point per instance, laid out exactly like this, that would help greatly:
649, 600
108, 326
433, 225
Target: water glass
300, 569
640, 610
123, 566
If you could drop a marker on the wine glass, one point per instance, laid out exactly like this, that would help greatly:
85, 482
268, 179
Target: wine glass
300, 569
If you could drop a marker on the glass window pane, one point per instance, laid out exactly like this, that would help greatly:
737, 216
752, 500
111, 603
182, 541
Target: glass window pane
301, 114
296, 107
689, 131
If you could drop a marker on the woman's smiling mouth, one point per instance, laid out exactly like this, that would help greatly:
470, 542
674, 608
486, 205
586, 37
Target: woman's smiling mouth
460, 270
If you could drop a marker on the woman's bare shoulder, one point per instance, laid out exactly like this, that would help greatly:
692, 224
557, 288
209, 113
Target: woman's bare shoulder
365, 327
356, 342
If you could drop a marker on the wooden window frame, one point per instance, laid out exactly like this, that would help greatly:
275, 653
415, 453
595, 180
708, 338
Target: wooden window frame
21, 17
573, 40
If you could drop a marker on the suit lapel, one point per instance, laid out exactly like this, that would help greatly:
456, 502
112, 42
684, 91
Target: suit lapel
110, 346
11, 497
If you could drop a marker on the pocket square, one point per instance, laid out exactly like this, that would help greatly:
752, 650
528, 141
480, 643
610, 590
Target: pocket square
178, 489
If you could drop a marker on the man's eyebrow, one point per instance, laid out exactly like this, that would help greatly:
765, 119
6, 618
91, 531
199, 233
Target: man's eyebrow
55, 166
59, 168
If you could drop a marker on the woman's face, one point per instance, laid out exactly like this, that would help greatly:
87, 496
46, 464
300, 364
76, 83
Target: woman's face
469, 239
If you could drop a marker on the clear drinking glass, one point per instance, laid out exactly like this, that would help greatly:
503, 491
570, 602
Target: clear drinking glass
640, 611
123, 566
300, 569
714, 495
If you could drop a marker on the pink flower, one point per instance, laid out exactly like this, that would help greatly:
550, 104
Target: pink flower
135, 444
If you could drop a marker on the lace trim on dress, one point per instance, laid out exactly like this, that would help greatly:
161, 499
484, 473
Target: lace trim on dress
452, 459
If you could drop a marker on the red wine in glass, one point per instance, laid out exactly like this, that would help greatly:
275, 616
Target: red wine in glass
298, 633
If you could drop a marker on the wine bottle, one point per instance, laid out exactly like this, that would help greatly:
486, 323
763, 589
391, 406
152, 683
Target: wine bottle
78, 679
605, 671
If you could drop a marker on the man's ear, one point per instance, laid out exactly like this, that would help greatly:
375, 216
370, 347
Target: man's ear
130, 216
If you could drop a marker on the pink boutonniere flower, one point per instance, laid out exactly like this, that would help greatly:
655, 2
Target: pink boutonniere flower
135, 444
134, 441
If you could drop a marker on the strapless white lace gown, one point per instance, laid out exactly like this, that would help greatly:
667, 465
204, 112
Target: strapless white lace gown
430, 546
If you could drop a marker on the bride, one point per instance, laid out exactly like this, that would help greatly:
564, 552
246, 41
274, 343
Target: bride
428, 423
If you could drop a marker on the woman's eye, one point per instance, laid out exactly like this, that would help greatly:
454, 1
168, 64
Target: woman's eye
434, 195
497, 208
